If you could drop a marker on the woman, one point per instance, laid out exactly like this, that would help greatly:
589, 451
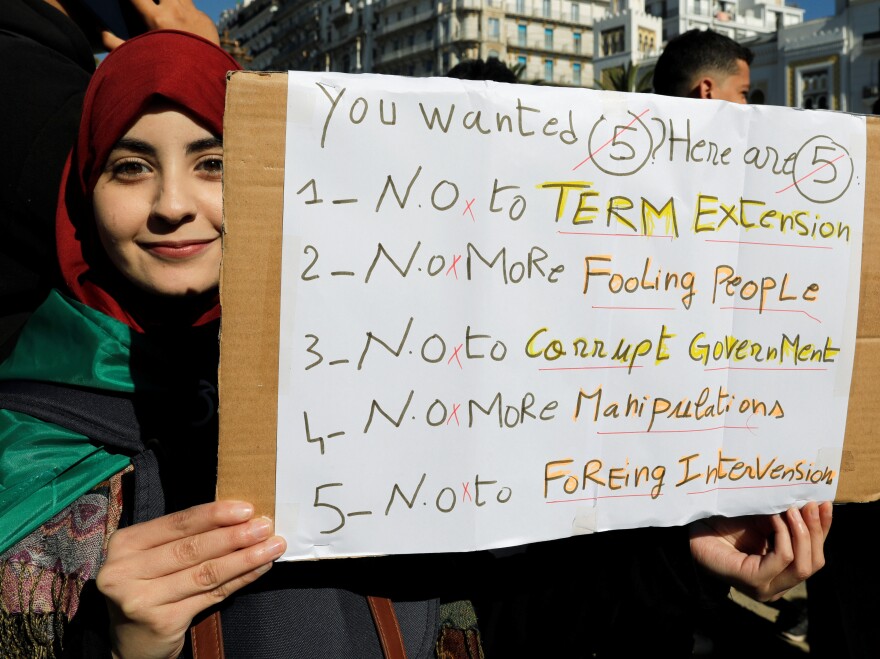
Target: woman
135, 341
130, 353
138, 231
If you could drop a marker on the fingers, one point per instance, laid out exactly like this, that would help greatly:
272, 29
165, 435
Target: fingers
160, 574
177, 15
213, 558
212, 581
110, 40
764, 555
817, 519
825, 513
149, 618
765, 583
184, 524
802, 543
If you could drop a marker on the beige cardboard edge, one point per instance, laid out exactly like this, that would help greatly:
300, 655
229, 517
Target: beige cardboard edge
254, 147
860, 464
254, 129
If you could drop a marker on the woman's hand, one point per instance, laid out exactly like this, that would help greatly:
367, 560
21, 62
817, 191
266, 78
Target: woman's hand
763, 555
169, 15
160, 574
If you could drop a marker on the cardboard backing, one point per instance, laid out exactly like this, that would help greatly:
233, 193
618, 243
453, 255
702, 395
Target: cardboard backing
253, 195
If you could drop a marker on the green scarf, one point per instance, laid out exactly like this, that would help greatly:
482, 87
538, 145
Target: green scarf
44, 467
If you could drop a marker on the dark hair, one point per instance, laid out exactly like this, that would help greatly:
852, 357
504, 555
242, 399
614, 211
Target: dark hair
477, 69
692, 54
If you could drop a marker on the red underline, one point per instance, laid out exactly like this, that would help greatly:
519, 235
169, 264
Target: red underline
608, 496
612, 235
746, 242
751, 487
584, 368
808, 315
663, 432
755, 368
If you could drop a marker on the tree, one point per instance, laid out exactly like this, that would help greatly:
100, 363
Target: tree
626, 78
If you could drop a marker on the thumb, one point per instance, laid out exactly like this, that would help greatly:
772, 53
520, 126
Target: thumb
110, 40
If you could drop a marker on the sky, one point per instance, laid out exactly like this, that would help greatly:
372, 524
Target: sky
213, 7
814, 8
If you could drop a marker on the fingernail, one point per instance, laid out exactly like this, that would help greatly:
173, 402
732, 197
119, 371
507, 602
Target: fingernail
260, 528
814, 512
263, 569
273, 548
241, 510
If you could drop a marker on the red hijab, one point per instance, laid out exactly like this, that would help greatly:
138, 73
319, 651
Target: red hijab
165, 65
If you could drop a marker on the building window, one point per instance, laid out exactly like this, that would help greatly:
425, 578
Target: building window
522, 61
577, 42
612, 41
548, 70
493, 53
548, 38
815, 90
575, 12
546, 8
521, 35
429, 66
576, 73
445, 61
520, 6
494, 29
429, 34
647, 41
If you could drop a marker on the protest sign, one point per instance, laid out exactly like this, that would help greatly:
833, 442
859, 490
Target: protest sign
506, 314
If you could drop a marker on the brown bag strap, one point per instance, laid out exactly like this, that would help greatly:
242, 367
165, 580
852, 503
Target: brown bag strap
389, 629
207, 638
207, 635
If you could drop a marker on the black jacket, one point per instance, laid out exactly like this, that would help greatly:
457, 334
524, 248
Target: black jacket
47, 64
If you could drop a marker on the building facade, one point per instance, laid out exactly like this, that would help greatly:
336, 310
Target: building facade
633, 31
826, 63
546, 40
830, 62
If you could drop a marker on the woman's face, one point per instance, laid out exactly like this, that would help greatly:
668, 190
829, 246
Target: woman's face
158, 204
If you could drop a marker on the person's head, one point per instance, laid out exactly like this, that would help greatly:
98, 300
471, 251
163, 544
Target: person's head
477, 69
138, 223
704, 64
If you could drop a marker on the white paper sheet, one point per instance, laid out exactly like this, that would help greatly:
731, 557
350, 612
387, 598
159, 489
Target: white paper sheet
514, 313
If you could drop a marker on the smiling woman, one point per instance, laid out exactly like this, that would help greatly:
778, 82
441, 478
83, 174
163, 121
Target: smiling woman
110, 541
138, 234
158, 204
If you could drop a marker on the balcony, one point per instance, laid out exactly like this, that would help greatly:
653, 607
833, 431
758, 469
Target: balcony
539, 46
341, 13
589, 13
409, 21
406, 52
